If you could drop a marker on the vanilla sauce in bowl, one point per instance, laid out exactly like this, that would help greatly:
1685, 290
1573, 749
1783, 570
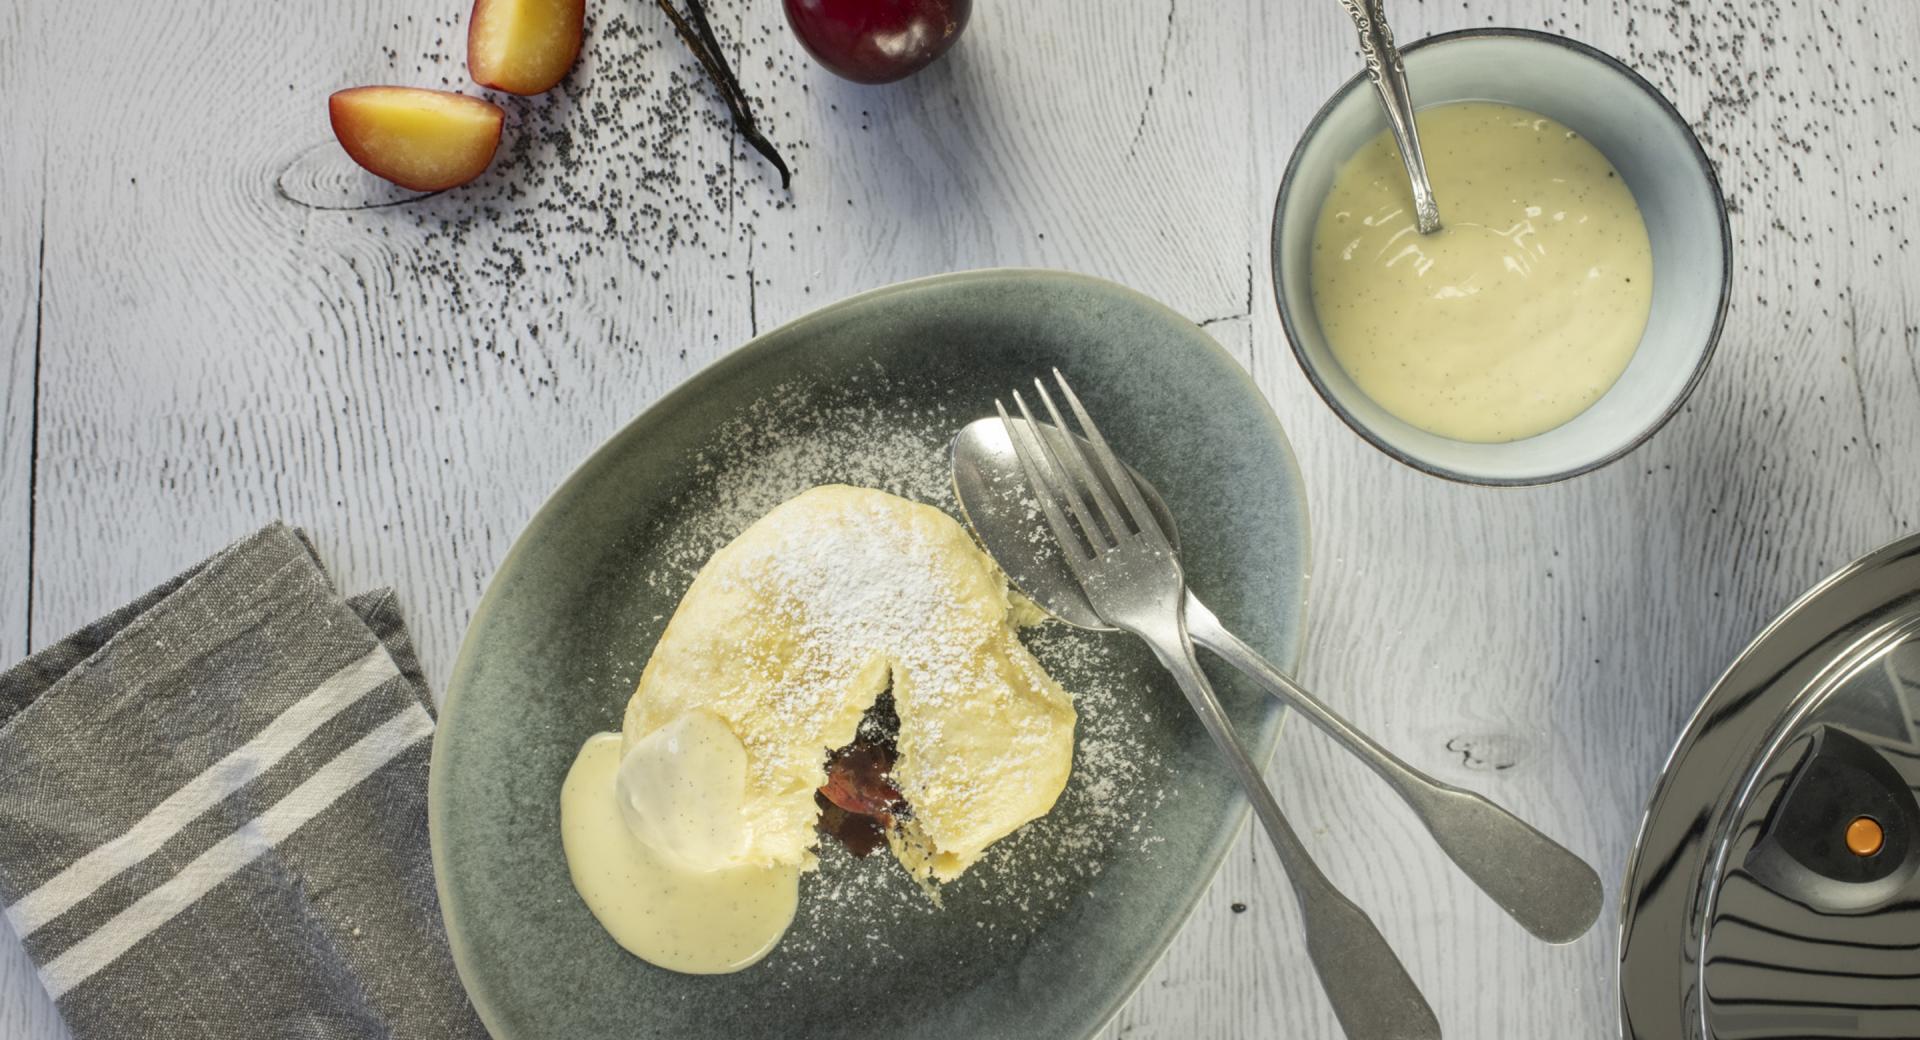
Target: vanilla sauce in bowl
1521, 312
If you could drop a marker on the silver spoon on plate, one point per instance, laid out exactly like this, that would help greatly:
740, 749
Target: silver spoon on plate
1551, 892
1389, 76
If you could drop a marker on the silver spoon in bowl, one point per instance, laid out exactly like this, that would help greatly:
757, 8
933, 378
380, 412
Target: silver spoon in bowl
1389, 76
1551, 892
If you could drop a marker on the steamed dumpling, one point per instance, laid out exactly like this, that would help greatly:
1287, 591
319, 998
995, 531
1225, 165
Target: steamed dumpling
790, 633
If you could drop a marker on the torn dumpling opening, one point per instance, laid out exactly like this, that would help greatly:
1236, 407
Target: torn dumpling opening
862, 809
859, 803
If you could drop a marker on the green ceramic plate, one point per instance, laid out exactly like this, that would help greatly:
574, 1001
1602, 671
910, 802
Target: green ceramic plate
1047, 936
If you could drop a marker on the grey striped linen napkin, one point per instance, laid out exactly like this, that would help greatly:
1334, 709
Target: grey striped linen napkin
213, 813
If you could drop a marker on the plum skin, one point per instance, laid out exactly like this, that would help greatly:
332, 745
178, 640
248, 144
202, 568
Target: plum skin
877, 41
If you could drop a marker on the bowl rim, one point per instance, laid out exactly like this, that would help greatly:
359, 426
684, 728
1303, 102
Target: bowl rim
1289, 323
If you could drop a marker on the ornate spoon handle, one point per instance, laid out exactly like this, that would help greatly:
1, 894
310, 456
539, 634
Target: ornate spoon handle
1389, 76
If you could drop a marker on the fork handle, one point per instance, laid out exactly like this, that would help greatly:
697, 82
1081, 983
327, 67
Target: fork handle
1370, 991
1550, 891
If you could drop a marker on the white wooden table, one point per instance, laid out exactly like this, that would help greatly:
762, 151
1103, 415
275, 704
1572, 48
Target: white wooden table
194, 344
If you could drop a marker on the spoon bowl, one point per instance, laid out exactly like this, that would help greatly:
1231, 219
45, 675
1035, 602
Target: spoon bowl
996, 504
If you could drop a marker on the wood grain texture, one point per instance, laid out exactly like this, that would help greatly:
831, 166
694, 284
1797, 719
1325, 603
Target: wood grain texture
25, 1008
22, 232
231, 324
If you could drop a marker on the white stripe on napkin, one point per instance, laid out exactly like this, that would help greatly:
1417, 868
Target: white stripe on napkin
232, 853
238, 769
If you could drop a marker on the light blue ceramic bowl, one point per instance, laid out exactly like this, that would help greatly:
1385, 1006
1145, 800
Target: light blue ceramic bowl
1645, 139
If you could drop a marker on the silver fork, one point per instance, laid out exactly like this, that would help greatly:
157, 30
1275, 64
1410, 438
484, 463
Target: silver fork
1132, 576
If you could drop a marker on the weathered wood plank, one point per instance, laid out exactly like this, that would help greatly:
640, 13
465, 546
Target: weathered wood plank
1101, 140
408, 382
22, 234
25, 1009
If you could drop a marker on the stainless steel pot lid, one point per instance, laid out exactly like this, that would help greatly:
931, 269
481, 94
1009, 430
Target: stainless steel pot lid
1774, 891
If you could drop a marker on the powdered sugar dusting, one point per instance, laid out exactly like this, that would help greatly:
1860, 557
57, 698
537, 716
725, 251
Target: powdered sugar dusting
865, 588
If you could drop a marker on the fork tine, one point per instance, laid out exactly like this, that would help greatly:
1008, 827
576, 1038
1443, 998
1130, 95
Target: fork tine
1065, 489
1116, 471
1081, 469
1028, 449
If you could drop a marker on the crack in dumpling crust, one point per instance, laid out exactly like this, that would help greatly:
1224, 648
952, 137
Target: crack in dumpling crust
790, 633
